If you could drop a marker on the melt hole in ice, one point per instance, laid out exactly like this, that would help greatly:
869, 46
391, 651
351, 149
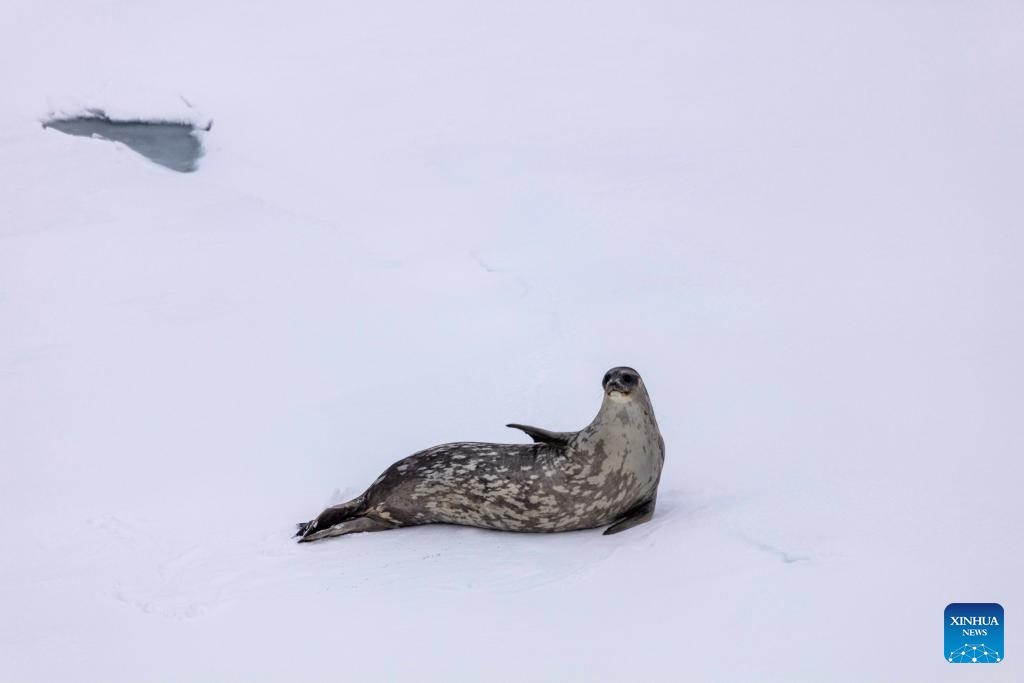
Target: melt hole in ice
172, 144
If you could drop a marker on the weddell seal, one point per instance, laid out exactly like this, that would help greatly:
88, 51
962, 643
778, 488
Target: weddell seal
606, 473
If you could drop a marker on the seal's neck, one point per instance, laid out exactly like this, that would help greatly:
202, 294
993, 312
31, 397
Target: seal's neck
625, 414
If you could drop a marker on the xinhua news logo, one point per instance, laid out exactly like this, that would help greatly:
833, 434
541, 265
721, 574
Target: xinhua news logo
974, 633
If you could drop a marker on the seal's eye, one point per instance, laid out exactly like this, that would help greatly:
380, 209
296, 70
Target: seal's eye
629, 379
607, 376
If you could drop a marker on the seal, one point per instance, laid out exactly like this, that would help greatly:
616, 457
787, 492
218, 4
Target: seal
605, 474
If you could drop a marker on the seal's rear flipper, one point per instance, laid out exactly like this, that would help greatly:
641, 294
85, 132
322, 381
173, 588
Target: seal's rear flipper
332, 516
544, 436
638, 515
353, 525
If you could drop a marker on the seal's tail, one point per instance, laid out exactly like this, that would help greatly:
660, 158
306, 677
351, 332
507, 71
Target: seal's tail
336, 514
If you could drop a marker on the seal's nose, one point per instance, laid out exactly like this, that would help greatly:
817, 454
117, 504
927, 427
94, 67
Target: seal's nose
623, 382
618, 384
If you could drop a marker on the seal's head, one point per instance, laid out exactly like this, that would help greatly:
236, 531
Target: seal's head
621, 384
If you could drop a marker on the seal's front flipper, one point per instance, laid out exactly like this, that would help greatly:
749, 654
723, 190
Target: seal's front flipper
638, 515
544, 436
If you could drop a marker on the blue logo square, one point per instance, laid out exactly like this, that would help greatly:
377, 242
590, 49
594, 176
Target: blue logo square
974, 633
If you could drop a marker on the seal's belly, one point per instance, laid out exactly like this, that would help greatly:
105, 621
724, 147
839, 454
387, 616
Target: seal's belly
528, 487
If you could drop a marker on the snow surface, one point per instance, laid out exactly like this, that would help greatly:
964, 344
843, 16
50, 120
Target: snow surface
415, 222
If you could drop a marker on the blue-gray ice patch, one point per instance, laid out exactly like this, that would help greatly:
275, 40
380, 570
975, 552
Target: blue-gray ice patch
171, 144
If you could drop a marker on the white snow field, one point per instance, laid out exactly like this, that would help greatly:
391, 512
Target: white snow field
802, 222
